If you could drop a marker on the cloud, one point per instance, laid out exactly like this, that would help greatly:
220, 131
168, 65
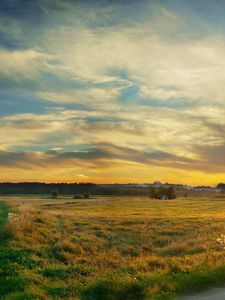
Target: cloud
97, 156
82, 176
101, 156
119, 85
27, 64
146, 54
103, 98
20, 160
136, 127
187, 70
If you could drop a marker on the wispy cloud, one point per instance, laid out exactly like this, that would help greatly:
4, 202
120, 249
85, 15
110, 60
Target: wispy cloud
126, 85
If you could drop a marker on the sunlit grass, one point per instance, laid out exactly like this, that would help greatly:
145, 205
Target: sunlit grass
84, 249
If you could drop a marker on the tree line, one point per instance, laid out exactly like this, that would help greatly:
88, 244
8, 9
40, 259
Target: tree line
58, 189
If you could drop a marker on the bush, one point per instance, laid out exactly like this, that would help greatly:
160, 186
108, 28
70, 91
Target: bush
55, 194
78, 196
86, 196
162, 192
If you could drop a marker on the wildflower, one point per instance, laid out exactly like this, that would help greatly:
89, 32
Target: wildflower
221, 240
12, 217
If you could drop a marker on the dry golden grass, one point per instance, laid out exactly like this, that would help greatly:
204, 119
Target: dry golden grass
147, 249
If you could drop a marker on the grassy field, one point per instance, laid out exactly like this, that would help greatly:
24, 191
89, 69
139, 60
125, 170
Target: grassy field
110, 248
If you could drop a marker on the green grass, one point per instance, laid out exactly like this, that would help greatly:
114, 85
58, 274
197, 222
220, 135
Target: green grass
9, 279
110, 248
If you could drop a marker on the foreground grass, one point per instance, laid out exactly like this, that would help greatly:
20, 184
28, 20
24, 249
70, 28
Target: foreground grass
110, 248
9, 258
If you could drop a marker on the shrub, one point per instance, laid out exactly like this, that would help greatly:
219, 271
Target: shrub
77, 196
86, 196
162, 192
55, 194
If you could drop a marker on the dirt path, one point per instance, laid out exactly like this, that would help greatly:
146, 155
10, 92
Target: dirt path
212, 294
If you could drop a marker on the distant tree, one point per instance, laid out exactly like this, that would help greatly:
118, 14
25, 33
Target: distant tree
55, 194
152, 193
162, 192
78, 196
221, 186
171, 193
86, 195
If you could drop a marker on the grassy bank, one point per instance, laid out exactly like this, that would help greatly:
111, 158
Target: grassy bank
111, 248
9, 277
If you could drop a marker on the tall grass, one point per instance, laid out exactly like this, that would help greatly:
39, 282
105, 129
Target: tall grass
117, 248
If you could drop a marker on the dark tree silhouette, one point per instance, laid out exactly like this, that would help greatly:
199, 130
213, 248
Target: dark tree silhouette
55, 194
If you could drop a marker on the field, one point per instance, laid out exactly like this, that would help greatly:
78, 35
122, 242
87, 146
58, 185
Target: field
110, 248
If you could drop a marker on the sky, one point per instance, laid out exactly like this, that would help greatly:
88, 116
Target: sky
112, 91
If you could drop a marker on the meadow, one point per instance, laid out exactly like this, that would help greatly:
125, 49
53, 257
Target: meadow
110, 248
